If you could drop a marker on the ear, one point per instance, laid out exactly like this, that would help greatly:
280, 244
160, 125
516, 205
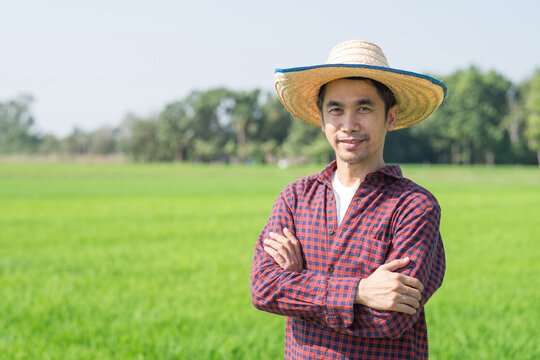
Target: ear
391, 117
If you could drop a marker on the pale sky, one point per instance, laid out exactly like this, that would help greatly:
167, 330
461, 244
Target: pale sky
89, 63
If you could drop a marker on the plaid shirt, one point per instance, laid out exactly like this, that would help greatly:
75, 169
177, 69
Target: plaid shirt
389, 217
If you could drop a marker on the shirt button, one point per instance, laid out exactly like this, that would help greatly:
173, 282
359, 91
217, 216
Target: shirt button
331, 232
331, 268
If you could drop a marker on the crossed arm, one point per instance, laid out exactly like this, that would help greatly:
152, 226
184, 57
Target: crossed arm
384, 289
385, 304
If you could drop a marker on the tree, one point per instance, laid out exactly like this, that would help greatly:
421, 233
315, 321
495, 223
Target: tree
143, 145
532, 113
76, 143
211, 124
404, 145
469, 124
16, 122
514, 124
244, 114
276, 120
49, 145
307, 143
103, 141
175, 129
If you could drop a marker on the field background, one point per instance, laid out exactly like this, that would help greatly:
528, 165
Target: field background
152, 261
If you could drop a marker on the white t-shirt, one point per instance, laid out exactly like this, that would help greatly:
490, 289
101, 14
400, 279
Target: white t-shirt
343, 195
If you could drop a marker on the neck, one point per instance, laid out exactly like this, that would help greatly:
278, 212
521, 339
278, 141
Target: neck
354, 174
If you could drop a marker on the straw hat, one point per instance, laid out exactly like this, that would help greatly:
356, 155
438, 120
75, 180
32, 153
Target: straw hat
417, 95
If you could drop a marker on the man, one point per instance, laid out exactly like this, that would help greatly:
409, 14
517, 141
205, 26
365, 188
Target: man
352, 254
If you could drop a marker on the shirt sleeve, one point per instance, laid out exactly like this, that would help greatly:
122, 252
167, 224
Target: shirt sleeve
307, 294
417, 236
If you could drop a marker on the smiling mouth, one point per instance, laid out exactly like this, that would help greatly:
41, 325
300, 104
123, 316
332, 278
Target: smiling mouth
354, 139
352, 142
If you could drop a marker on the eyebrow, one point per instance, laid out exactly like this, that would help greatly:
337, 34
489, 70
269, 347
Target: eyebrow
358, 102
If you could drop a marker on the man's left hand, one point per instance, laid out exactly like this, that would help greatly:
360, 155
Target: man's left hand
286, 250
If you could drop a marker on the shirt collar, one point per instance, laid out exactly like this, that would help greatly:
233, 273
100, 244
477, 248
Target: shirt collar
393, 171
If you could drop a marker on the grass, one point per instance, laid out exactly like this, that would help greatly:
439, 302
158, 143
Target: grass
152, 261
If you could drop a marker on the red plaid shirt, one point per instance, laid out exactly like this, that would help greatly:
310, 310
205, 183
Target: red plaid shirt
389, 217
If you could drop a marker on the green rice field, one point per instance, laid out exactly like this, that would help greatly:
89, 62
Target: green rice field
131, 261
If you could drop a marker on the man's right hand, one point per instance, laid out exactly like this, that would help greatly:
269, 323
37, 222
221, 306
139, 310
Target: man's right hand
388, 290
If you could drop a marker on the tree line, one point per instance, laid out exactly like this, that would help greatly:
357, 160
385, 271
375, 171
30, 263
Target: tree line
485, 119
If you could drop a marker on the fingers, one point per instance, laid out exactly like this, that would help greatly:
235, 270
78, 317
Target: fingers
395, 264
406, 304
412, 292
404, 308
404, 279
288, 242
287, 238
285, 250
395, 300
411, 282
409, 300
294, 242
402, 303
281, 244
274, 247
276, 255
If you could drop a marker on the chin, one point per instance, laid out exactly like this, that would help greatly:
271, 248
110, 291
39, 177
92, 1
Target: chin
353, 157
353, 160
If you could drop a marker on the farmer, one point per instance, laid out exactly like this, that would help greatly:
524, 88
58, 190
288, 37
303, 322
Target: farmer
352, 254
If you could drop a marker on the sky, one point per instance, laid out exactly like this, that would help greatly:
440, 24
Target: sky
89, 63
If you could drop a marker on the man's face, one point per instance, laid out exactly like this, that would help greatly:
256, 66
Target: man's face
354, 121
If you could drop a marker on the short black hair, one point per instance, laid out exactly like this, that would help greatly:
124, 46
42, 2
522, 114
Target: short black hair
384, 92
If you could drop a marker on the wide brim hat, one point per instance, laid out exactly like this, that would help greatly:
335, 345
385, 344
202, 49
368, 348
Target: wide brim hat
417, 95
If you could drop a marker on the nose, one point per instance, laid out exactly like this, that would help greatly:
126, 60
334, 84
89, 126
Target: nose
349, 123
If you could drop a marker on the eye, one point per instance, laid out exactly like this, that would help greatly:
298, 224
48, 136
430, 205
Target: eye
363, 109
334, 110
